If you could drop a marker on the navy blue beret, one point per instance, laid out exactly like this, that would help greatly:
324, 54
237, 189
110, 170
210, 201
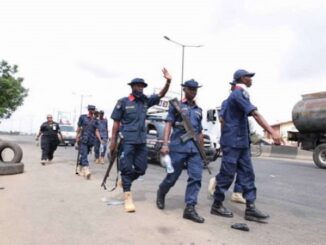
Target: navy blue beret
138, 81
241, 73
91, 107
191, 84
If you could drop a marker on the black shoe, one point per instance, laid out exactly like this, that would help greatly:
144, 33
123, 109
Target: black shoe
219, 209
160, 199
190, 213
253, 214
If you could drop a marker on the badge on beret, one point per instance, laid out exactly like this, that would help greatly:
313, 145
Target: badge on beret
245, 94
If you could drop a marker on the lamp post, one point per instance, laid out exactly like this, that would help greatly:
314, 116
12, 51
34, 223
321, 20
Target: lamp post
183, 46
82, 100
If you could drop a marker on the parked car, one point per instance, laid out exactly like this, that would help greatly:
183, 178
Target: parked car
69, 134
155, 128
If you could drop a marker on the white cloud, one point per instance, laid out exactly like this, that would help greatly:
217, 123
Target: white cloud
96, 47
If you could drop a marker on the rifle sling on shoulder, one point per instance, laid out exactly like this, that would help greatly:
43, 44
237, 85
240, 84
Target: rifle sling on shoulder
190, 132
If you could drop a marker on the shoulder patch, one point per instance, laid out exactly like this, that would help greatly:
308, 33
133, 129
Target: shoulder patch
245, 94
119, 104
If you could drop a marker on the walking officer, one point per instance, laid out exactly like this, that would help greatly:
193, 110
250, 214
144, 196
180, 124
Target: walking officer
237, 190
100, 148
87, 133
50, 140
183, 152
235, 139
129, 117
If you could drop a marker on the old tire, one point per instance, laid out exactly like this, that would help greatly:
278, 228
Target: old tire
319, 156
17, 151
11, 168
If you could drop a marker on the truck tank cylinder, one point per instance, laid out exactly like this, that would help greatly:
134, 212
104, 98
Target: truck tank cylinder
309, 114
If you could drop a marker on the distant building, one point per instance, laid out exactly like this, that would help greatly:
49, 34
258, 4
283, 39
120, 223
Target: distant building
282, 128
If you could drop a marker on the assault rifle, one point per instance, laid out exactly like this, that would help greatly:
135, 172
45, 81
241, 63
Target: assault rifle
190, 132
77, 147
112, 158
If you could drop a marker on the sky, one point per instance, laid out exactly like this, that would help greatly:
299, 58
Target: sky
70, 50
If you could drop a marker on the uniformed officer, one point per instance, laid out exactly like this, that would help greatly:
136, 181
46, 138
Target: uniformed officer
237, 190
100, 148
129, 117
236, 156
87, 133
182, 153
50, 140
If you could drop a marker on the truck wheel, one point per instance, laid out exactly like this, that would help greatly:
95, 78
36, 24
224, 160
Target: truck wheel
12, 168
14, 149
319, 156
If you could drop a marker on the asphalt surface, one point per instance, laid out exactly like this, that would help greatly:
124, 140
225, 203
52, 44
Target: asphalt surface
51, 205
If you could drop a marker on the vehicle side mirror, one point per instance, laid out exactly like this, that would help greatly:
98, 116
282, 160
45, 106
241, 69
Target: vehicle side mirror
211, 115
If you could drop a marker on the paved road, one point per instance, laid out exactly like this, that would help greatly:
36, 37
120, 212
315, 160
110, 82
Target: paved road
51, 205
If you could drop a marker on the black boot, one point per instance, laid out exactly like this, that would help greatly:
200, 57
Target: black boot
160, 199
190, 213
253, 214
219, 209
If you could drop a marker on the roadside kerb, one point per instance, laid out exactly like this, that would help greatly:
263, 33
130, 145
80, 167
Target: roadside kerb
284, 151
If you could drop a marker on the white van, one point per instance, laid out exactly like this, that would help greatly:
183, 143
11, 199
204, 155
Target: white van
68, 133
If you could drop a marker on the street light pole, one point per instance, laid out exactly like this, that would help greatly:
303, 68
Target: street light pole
81, 100
183, 56
182, 69
81, 103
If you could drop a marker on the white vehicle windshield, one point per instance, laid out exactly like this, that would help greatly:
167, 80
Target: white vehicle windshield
67, 128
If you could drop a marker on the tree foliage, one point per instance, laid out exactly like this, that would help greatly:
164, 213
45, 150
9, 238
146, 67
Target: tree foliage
12, 93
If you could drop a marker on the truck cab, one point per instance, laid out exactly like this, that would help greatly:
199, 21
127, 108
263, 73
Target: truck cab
213, 128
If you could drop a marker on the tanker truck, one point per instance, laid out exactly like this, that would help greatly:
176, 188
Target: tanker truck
309, 117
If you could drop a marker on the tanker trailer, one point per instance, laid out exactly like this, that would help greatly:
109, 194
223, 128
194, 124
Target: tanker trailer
309, 117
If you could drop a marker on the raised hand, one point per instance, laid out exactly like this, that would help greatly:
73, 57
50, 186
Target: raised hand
166, 74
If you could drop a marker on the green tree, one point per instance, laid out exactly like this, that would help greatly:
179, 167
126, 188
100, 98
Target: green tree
12, 93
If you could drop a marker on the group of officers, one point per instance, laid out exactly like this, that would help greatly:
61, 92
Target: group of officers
129, 115
93, 126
